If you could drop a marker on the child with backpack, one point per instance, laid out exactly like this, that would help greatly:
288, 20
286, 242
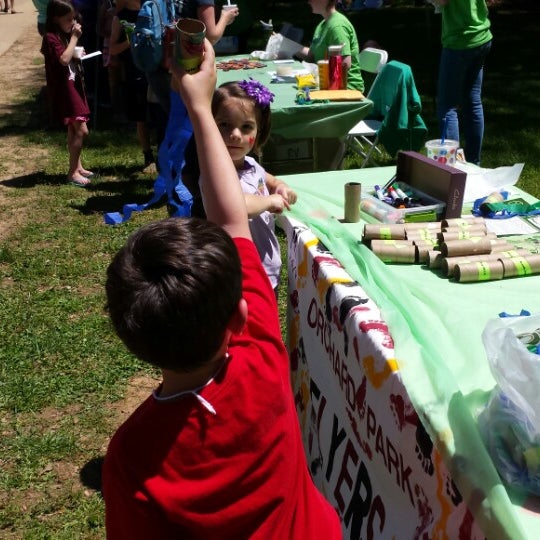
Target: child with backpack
216, 450
134, 83
65, 84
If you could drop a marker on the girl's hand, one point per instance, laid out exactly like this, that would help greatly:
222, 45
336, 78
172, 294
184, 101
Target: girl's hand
288, 194
197, 88
229, 15
76, 30
276, 203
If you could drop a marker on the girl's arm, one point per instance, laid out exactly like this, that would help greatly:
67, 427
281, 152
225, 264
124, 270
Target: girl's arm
67, 55
116, 46
214, 31
257, 204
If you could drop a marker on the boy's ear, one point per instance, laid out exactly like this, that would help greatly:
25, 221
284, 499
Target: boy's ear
239, 317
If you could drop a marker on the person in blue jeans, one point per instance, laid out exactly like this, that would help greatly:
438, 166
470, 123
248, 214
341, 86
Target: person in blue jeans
466, 41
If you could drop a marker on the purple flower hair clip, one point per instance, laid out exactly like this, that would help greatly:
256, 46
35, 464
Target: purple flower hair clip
257, 91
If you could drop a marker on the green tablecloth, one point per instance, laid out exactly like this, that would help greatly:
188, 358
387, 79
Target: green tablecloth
292, 121
436, 325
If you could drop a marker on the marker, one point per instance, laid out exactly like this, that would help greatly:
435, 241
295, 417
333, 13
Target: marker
379, 192
401, 193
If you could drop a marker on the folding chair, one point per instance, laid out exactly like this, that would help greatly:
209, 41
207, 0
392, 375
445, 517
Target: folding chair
361, 136
397, 107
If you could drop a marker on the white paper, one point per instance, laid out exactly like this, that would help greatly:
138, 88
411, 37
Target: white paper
91, 55
481, 182
510, 226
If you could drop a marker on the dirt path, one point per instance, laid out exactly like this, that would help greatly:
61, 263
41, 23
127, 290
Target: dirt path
21, 73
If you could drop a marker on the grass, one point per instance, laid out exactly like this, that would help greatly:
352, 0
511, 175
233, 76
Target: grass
62, 372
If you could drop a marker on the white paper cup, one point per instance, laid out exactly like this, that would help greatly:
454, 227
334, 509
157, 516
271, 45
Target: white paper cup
442, 153
78, 52
228, 7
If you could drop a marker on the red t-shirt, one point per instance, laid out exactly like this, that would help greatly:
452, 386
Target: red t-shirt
175, 470
65, 85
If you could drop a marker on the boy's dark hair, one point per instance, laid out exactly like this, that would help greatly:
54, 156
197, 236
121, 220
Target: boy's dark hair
57, 8
262, 114
172, 289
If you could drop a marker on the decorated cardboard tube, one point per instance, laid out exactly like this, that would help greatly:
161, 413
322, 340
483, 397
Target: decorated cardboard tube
462, 234
383, 231
521, 265
394, 251
479, 271
461, 222
449, 264
189, 44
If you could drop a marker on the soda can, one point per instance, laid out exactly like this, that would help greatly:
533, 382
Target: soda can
323, 74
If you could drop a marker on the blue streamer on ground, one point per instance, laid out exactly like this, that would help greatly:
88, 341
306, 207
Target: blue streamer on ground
171, 162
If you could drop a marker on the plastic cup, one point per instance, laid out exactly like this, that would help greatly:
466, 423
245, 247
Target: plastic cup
442, 153
228, 7
189, 44
78, 52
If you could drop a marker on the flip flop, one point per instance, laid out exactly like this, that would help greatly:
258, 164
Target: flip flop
87, 174
78, 183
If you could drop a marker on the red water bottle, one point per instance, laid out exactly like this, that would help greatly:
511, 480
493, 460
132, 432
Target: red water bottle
335, 62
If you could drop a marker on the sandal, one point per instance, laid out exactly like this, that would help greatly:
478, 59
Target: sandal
85, 173
82, 182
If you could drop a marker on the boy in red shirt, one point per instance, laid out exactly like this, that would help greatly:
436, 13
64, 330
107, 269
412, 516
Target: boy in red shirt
216, 451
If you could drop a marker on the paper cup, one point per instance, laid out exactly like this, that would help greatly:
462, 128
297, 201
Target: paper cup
78, 52
189, 44
228, 7
442, 153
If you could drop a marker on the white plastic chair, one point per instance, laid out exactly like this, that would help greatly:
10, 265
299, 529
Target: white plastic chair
362, 137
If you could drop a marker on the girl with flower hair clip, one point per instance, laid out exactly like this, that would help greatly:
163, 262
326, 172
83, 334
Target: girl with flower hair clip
242, 113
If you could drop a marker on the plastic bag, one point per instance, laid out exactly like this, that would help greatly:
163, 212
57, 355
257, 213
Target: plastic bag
280, 47
510, 424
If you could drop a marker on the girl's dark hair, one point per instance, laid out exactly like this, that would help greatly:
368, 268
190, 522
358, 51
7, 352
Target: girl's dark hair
262, 114
57, 8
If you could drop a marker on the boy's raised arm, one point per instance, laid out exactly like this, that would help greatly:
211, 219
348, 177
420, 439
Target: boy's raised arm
222, 195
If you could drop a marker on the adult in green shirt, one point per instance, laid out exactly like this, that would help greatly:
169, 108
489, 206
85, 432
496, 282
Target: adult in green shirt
335, 29
466, 41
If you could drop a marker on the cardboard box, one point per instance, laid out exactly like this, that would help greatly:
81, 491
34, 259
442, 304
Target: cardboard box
447, 184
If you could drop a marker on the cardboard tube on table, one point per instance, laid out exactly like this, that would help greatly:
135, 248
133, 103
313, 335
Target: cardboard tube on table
394, 251
353, 191
521, 264
383, 231
462, 221
189, 44
449, 263
463, 234
434, 259
479, 271
423, 247
467, 246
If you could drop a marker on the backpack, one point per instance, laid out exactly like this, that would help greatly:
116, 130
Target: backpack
147, 39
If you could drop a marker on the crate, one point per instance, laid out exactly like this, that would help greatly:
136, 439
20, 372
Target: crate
293, 156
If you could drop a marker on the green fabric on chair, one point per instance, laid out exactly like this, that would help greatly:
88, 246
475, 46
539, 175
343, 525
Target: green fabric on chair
397, 103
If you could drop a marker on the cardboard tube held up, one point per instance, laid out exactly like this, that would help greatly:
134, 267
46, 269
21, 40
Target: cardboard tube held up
189, 44
353, 190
